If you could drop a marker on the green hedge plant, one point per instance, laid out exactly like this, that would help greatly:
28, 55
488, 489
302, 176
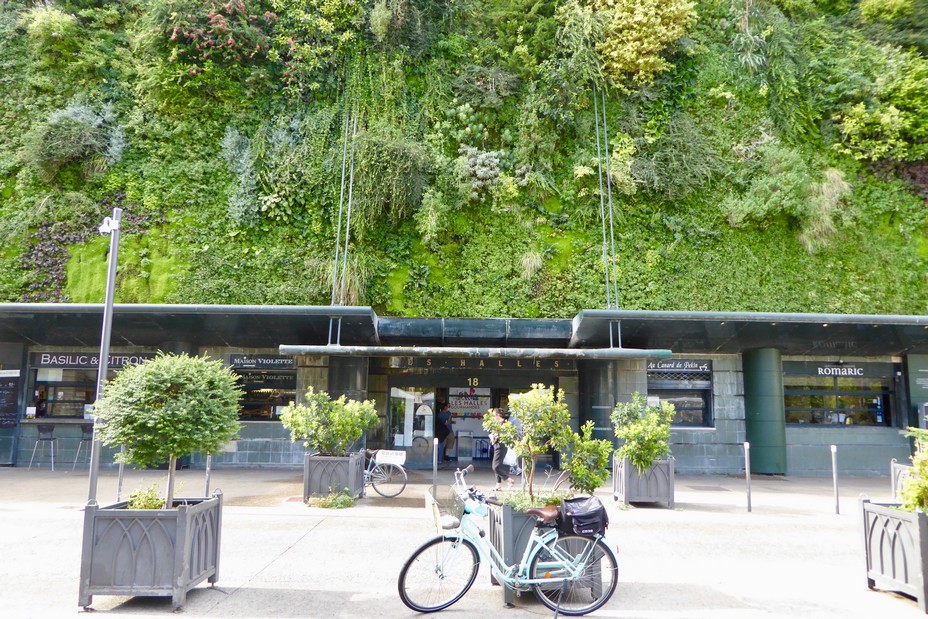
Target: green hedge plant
645, 430
914, 491
328, 426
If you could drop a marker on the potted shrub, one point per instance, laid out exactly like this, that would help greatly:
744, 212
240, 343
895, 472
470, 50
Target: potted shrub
895, 534
642, 469
328, 428
167, 407
540, 422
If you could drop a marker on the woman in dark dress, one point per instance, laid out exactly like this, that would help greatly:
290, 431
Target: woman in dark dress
499, 454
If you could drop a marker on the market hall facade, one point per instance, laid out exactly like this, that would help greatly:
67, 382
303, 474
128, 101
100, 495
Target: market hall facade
792, 385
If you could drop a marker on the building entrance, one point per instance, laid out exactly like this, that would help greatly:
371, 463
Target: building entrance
415, 403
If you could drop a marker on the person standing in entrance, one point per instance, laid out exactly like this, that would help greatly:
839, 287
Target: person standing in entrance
441, 431
445, 419
499, 453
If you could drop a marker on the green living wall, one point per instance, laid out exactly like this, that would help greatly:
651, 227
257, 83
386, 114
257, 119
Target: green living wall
762, 155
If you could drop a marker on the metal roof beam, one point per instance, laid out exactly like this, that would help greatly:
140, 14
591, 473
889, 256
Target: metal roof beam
492, 353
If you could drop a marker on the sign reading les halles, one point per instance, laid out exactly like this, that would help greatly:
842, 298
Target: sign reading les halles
77, 360
473, 363
680, 365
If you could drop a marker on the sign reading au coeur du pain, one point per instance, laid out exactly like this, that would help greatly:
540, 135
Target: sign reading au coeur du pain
78, 360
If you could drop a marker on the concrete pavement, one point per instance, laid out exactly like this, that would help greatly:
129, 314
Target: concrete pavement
792, 556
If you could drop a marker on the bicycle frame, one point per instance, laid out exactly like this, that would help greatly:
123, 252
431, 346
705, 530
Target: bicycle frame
516, 576
372, 468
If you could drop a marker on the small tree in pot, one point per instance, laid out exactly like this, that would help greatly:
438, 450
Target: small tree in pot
168, 407
645, 432
328, 428
587, 464
542, 422
162, 409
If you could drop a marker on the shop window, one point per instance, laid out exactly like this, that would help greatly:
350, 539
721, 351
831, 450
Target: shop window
688, 386
266, 393
64, 392
838, 393
412, 413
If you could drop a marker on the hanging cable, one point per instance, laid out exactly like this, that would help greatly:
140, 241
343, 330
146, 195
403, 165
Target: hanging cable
344, 285
341, 202
614, 297
602, 207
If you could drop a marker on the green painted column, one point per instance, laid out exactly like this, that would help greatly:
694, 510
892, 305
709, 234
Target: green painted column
765, 417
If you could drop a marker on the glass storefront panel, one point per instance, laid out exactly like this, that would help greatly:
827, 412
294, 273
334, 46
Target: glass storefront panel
266, 393
691, 406
412, 411
838, 399
687, 384
64, 392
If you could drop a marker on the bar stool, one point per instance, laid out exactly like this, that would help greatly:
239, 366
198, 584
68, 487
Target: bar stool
46, 437
86, 439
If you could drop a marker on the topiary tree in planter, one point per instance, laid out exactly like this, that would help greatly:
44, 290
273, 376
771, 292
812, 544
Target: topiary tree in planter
642, 470
168, 407
328, 428
587, 462
645, 430
542, 422
162, 409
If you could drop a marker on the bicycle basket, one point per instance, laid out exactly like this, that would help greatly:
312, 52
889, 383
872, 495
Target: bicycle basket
583, 515
446, 509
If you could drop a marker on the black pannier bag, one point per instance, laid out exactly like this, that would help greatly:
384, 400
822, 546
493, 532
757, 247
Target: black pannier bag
583, 515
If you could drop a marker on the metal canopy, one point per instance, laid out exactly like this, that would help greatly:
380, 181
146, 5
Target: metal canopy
476, 352
151, 326
735, 332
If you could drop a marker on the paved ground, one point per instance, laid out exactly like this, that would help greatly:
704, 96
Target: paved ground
792, 556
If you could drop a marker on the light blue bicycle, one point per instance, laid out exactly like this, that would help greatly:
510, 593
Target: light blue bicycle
570, 574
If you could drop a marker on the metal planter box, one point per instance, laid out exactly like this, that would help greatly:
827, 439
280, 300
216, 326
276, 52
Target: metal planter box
898, 474
156, 552
323, 475
655, 486
509, 532
896, 545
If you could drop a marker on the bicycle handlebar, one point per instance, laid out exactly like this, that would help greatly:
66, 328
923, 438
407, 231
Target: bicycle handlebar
491, 501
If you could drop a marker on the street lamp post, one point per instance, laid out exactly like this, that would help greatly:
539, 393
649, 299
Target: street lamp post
110, 226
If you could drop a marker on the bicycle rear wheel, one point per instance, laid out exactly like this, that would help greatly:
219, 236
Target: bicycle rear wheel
595, 584
388, 479
438, 574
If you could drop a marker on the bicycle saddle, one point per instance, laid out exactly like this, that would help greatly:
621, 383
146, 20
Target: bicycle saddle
548, 513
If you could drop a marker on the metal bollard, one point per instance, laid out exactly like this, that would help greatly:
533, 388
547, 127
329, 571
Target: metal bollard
209, 467
747, 470
834, 474
434, 465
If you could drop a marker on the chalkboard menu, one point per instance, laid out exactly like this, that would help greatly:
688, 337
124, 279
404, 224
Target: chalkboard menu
9, 392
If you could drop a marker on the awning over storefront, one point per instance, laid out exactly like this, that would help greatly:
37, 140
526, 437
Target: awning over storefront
735, 332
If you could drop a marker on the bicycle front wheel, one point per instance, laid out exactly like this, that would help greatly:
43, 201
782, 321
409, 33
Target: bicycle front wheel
388, 479
438, 574
584, 594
